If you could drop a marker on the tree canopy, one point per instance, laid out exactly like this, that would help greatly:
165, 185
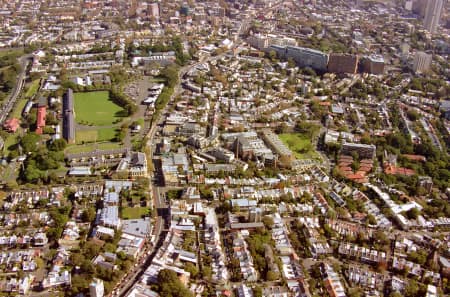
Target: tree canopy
169, 285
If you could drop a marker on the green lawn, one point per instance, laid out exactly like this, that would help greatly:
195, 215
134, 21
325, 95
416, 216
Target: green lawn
95, 109
134, 212
20, 105
102, 134
83, 148
32, 89
5, 52
11, 140
300, 145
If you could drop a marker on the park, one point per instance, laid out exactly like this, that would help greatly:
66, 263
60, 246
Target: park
97, 117
300, 145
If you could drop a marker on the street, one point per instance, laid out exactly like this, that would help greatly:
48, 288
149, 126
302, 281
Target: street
12, 98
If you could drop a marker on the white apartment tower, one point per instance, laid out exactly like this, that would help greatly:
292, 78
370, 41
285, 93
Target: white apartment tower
433, 13
422, 62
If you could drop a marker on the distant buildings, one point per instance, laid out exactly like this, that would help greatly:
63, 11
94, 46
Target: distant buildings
422, 62
433, 13
68, 117
262, 42
304, 57
320, 61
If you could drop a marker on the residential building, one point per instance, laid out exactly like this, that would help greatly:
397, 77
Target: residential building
40, 116
135, 164
273, 141
332, 281
306, 57
244, 291
137, 227
11, 125
68, 117
364, 151
343, 63
372, 64
96, 288
109, 217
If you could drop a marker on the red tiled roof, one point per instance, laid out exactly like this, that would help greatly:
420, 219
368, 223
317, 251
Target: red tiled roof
415, 157
12, 125
40, 119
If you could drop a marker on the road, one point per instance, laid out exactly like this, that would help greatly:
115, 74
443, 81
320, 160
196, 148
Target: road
159, 203
12, 98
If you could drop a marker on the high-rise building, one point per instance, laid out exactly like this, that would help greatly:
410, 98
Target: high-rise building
433, 13
372, 64
306, 57
422, 62
153, 9
419, 7
342, 63
96, 288
409, 5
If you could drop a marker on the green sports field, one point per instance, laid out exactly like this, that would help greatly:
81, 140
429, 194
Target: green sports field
99, 135
95, 109
89, 147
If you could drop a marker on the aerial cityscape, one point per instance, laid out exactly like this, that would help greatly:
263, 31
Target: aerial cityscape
247, 148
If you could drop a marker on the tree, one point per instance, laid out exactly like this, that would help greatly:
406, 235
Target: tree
58, 145
271, 276
272, 55
411, 289
170, 73
88, 215
91, 249
371, 219
192, 269
79, 284
170, 286
29, 142
413, 213
257, 291
268, 221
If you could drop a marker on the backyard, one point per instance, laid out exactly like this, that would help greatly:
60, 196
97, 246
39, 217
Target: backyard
134, 212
